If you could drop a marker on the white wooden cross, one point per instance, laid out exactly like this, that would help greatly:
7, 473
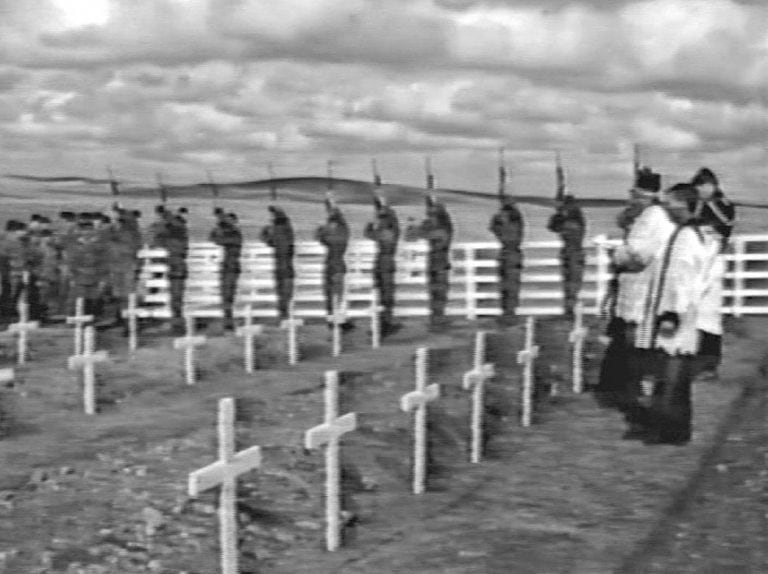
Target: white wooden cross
329, 433
22, 328
576, 337
417, 400
291, 324
7, 375
375, 311
189, 342
87, 360
79, 320
224, 472
474, 380
248, 331
527, 357
132, 314
337, 319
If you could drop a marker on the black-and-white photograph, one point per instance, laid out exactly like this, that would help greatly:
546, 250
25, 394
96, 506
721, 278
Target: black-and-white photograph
383, 286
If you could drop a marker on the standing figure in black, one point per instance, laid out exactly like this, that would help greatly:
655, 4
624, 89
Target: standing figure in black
385, 231
437, 229
568, 221
334, 235
227, 235
508, 226
279, 236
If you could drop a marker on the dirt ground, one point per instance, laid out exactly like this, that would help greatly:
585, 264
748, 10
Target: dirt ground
107, 494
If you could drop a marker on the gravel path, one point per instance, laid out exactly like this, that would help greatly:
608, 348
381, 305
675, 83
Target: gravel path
723, 528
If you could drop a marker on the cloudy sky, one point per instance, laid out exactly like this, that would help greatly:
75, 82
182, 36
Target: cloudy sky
182, 86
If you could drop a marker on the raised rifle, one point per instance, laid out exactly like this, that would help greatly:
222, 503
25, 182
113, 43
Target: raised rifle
560, 177
113, 186
376, 175
161, 188
272, 184
502, 190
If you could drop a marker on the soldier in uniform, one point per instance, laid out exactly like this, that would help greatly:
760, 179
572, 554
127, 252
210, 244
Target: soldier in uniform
47, 273
227, 235
568, 221
124, 244
85, 258
508, 226
385, 231
64, 233
177, 244
334, 235
437, 229
18, 255
279, 236
169, 231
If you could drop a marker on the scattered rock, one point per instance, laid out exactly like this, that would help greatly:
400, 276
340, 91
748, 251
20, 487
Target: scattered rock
66, 470
141, 471
722, 468
284, 536
38, 476
205, 508
155, 566
153, 520
308, 525
472, 554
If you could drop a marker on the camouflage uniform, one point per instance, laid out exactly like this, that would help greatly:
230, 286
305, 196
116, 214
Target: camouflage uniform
170, 233
508, 227
437, 229
47, 274
63, 235
85, 258
279, 236
385, 231
227, 235
124, 245
334, 235
568, 222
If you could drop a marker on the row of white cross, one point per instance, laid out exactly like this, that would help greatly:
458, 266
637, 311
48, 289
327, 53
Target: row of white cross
231, 465
86, 356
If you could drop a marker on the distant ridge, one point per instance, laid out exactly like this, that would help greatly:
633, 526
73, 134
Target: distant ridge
308, 188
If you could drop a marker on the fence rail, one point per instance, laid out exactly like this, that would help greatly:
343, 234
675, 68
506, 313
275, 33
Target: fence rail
473, 279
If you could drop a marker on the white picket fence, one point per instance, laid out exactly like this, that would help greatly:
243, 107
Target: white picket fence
473, 279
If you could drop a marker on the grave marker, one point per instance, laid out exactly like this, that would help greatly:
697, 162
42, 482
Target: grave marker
291, 324
417, 401
189, 343
132, 314
248, 331
329, 433
224, 473
577, 337
474, 380
375, 311
7, 375
87, 360
337, 319
22, 328
79, 320
527, 357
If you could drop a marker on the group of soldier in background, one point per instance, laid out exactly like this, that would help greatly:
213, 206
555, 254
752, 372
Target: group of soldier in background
51, 264
95, 256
